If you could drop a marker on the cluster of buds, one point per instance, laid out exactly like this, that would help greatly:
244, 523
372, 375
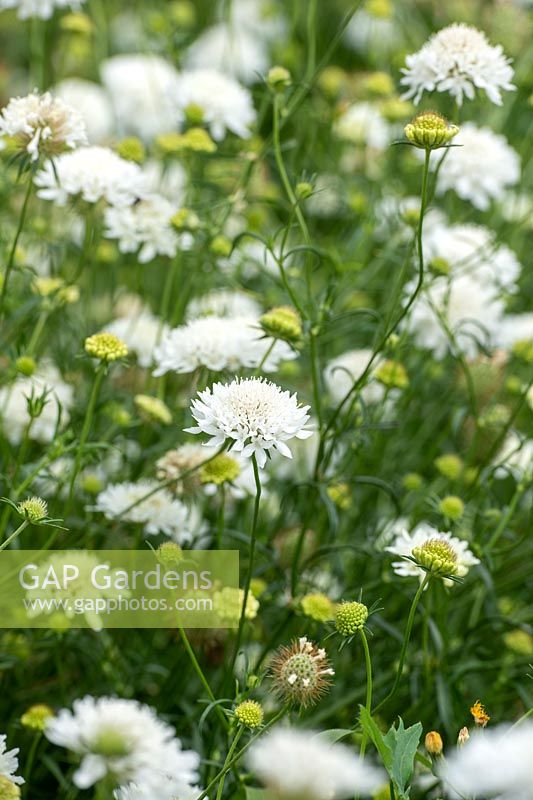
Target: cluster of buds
350, 618
437, 556
430, 130
220, 470
105, 347
282, 322
250, 714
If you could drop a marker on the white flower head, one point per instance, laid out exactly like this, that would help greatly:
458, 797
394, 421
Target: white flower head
481, 169
9, 762
125, 739
256, 414
92, 173
140, 87
92, 103
342, 372
145, 227
458, 59
296, 764
405, 542
42, 125
43, 9
224, 103
362, 124
219, 343
233, 50
223, 303
493, 763
470, 309
140, 333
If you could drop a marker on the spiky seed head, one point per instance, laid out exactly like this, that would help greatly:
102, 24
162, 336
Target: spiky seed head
301, 673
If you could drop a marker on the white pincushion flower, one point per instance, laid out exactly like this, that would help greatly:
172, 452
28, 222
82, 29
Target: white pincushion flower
42, 125
495, 762
145, 227
515, 456
223, 303
372, 34
9, 762
124, 739
233, 50
473, 250
92, 103
298, 764
224, 103
515, 328
140, 333
140, 87
458, 59
92, 173
43, 9
405, 542
481, 169
219, 343
342, 372
58, 399
470, 309
363, 124
256, 414
158, 513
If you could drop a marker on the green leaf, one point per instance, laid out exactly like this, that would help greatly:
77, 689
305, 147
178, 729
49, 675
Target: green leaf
255, 794
403, 742
374, 733
333, 735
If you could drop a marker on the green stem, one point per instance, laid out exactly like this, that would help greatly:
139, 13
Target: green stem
405, 644
520, 489
220, 523
100, 372
229, 756
36, 333
11, 258
14, 534
203, 679
368, 699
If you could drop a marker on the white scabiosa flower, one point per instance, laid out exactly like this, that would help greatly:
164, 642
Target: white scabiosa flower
493, 763
473, 250
124, 739
373, 34
223, 303
405, 542
157, 513
219, 343
224, 104
43, 9
470, 310
145, 228
342, 372
230, 49
481, 169
42, 125
57, 397
515, 456
515, 328
9, 762
92, 173
140, 87
363, 124
458, 59
140, 333
93, 104
254, 413
294, 764
169, 180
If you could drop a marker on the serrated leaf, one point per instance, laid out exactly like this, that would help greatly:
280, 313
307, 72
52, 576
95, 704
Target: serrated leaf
403, 743
333, 735
374, 733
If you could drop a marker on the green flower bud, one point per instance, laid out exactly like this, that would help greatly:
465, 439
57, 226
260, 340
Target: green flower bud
153, 408
412, 481
25, 365
318, 606
34, 509
36, 717
279, 78
452, 507
219, 470
350, 618
250, 714
282, 322
438, 556
392, 374
221, 246
430, 131
105, 347
132, 149
450, 466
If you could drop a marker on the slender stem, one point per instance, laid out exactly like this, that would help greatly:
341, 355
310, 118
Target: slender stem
250, 562
267, 353
14, 534
368, 699
229, 756
220, 523
405, 644
11, 258
203, 679
100, 372
36, 333
520, 489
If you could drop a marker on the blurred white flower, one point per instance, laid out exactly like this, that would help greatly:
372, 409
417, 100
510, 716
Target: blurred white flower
125, 739
515, 328
405, 542
481, 169
224, 103
42, 125
495, 762
373, 35
58, 399
233, 50
9, 762
470, 309
515, 456
223, 303
92, 173
93, 104
458, 59
169, 180
363, 124
343, 371
140, 87
294, 763
145, 228
256, 414
219, 343
43, 9
140, 333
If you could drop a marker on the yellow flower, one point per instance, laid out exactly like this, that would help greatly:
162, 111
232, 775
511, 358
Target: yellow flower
480, 715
